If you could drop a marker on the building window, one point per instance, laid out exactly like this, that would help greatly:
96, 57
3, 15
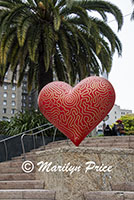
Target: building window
115, 117
5, 87
115, 112
25, 78
122, 113
13, 103
12, 111
24, 84
24, 97
4, 110
30, 98
5, 94
5, 118
13, 95
5, 102
30, 105
14, 87
24, 104
24, 91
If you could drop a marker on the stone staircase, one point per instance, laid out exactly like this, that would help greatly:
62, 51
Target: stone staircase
16, 184
120, 191
110, 142
109, 195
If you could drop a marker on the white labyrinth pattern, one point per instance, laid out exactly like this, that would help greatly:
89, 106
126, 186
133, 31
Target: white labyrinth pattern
77, 111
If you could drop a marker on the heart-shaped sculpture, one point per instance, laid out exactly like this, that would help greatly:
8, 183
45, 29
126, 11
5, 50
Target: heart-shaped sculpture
77, 111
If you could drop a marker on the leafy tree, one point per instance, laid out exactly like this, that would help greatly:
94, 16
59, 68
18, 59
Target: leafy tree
128, 121
60, 36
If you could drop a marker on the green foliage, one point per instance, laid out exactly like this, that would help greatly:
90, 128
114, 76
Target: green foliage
59, 35
3, 127
24, 121
128, 121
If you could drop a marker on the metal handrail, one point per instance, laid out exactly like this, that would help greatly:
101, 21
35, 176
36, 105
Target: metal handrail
11, 137
33, 134
25, 133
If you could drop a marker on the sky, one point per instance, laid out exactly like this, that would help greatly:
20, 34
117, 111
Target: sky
122, 73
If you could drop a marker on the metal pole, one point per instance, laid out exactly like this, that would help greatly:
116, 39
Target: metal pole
55, 131
43, 140
33, 140
23, 147
6, 150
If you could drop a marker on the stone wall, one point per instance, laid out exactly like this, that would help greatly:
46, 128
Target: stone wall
119, 162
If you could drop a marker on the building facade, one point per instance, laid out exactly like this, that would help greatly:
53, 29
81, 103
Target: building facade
14, 99
115, 113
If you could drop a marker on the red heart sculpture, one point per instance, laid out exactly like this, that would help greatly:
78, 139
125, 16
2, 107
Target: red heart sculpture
77, 111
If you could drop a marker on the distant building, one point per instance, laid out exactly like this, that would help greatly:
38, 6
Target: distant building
14, 99
115, 113
125, 112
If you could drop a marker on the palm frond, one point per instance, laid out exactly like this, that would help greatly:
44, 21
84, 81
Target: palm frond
31, 74
57, 20
108, 33
59, 66
24, 23
104, 6
33, 42
38, 35
48, 38
64, 49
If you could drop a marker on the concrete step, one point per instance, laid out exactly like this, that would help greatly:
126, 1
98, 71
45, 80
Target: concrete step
29, 184
14, 163
111, 195
119, 145
11, 163
106, 138
131, 145
113, 141
13, 167
17, 176
27, 194
10, 170
31, 157
127, 186
38, 149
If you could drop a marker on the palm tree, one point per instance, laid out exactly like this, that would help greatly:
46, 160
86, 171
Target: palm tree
46, 37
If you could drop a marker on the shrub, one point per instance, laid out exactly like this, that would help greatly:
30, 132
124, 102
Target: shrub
3, 127
21, 122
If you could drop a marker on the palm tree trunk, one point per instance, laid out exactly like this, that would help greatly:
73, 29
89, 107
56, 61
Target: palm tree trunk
44, 77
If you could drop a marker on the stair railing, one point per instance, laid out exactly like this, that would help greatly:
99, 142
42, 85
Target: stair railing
33, 134
22, 134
